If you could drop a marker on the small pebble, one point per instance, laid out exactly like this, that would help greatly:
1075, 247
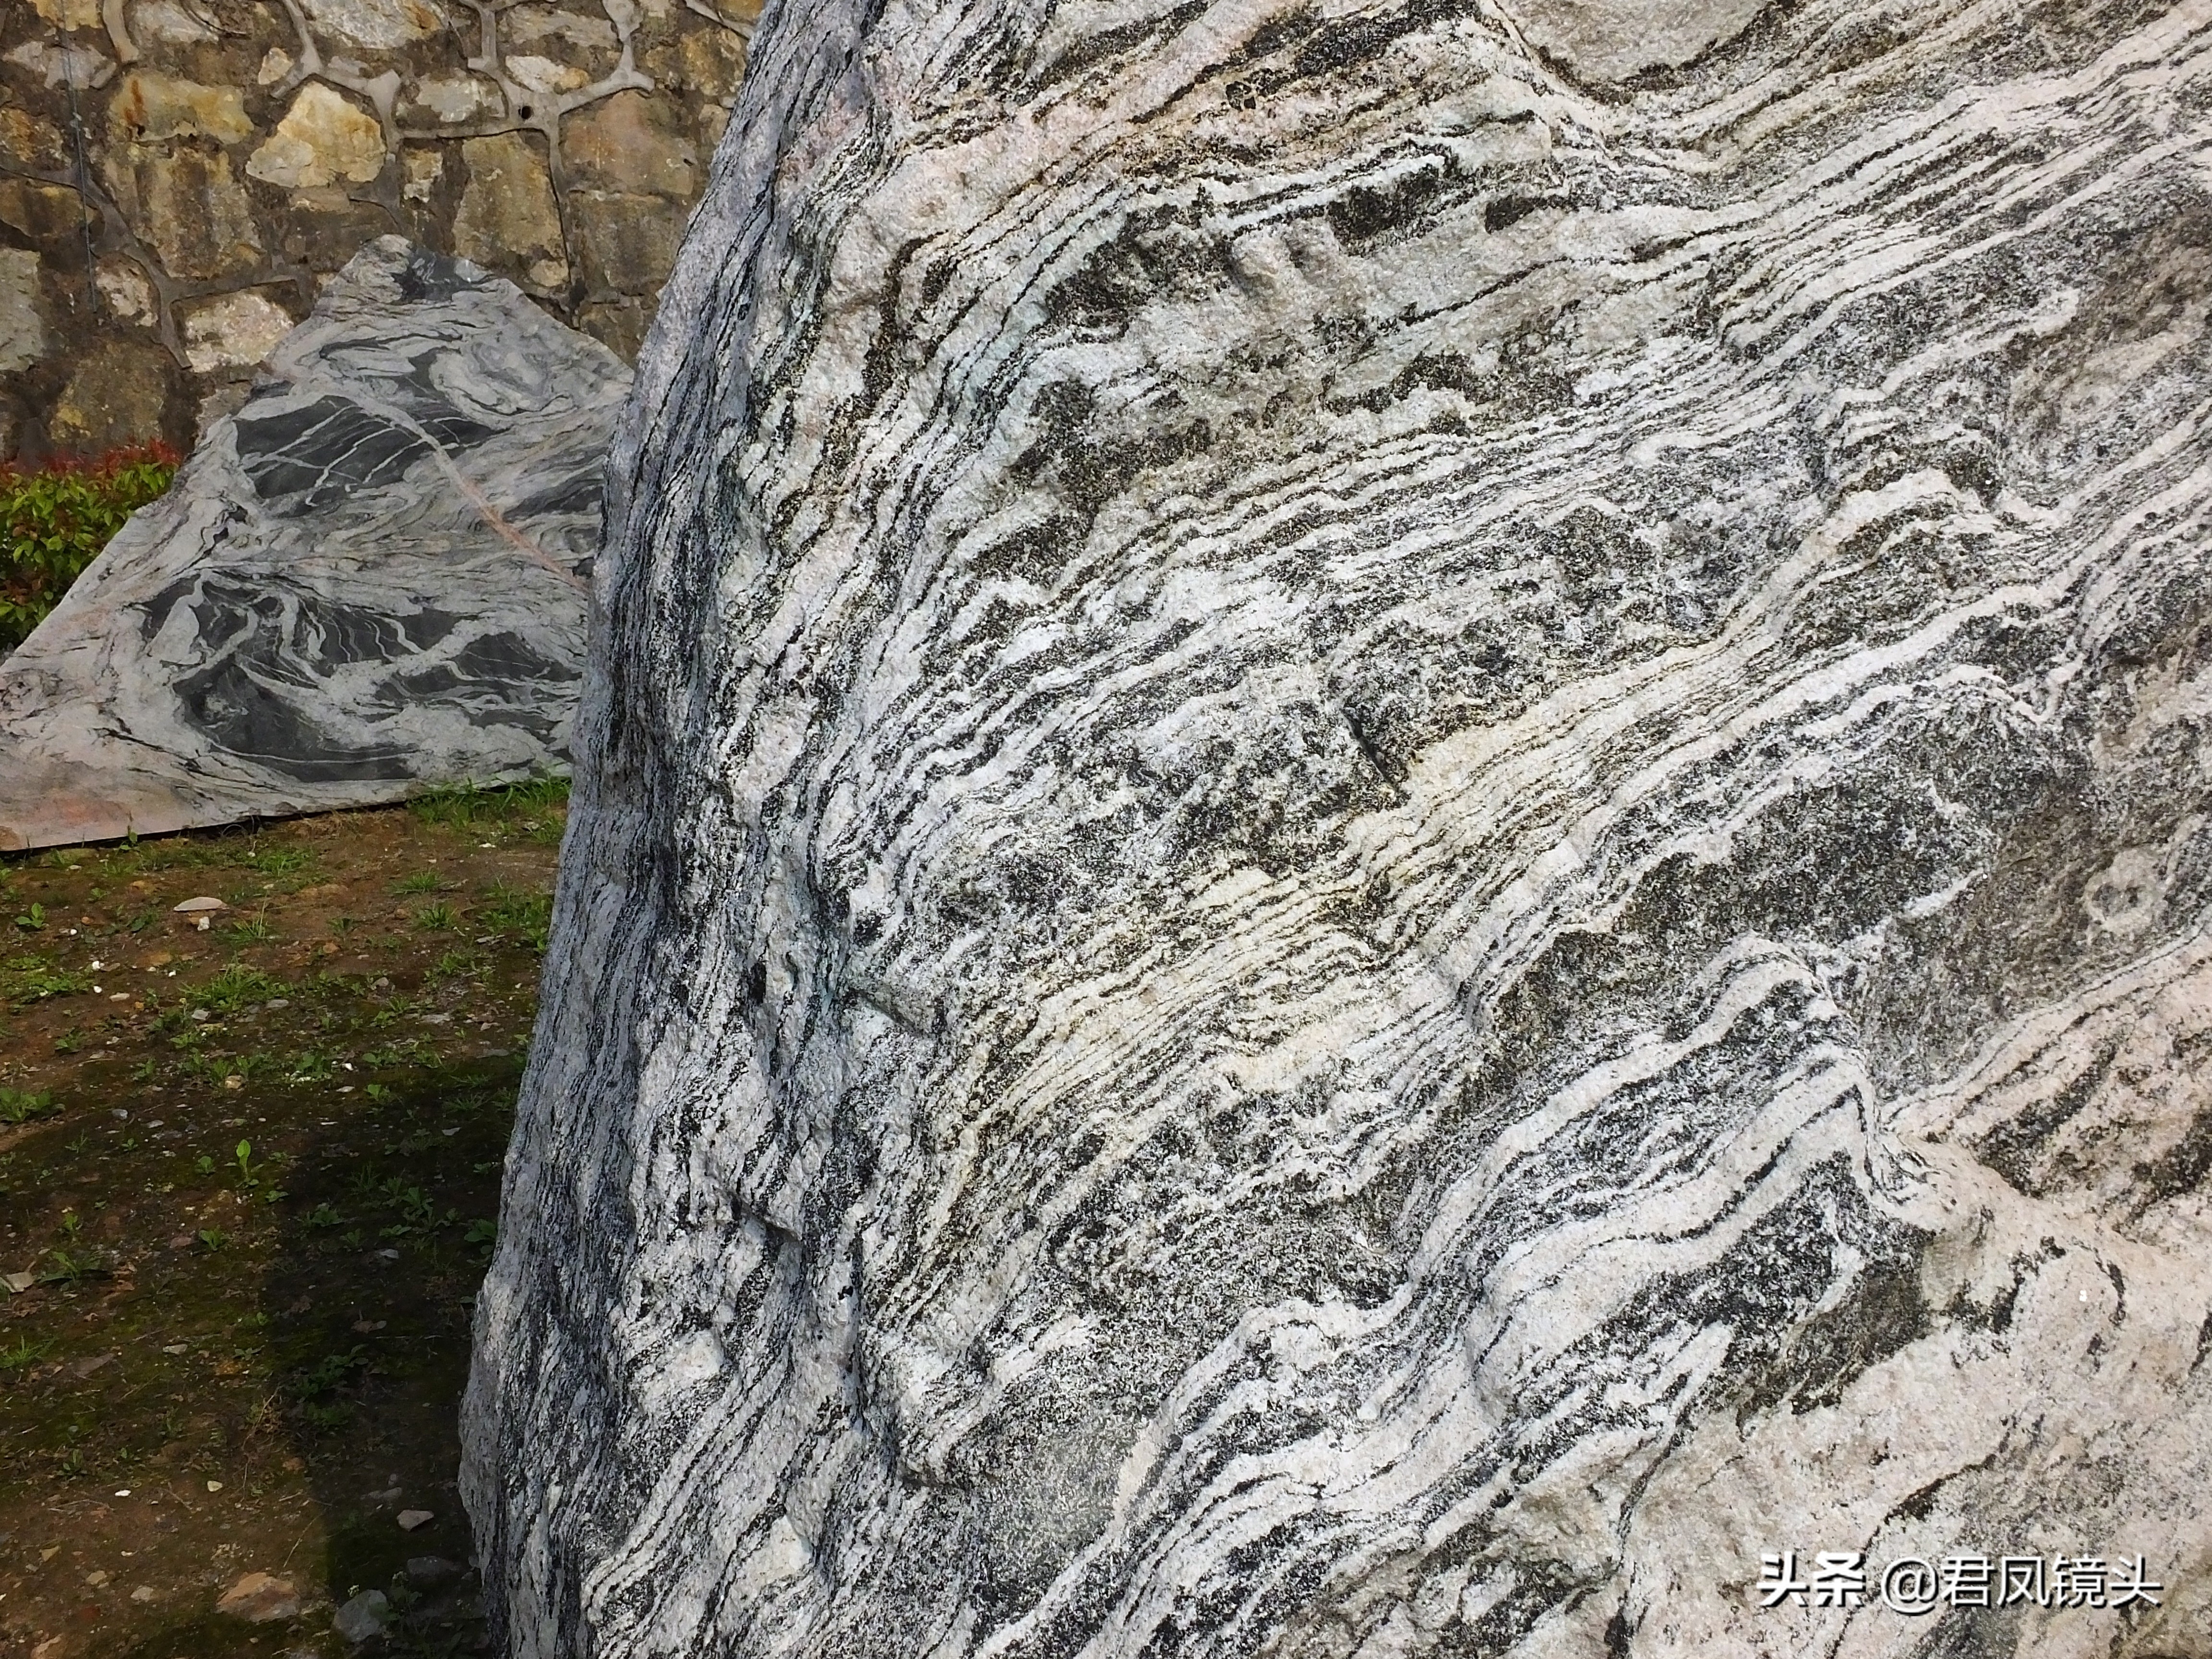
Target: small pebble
414, 1520
362, 1617
260, 1598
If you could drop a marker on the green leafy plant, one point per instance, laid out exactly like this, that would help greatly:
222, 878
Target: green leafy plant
54, 519
68, 1267
19, 1106
32, 919
454, 964
331, 1372
25, 1354
313, 1388
236, 984
423, 881
312, 1066
212, 1238
511, 910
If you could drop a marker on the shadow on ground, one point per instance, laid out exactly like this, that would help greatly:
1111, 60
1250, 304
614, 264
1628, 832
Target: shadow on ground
255, 1192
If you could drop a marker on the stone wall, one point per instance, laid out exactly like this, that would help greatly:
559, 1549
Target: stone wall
178, 177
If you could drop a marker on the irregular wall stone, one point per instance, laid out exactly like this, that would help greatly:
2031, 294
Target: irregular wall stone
509, 221
231, 330
23, 334
629, 145
114, 397
628, 243
377, 25
27, 141
69, 14
236, 147
185, 204
324, 137
49, 215
79, 68
452, 99
166, 22
126, 290
148, 106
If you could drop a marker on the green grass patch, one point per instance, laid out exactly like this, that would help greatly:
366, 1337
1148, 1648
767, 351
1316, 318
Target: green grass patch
33, 979
527, 806
234, 985
24, 1353
513, 910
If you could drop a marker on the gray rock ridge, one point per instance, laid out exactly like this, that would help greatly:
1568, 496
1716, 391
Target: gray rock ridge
370, 579
1389, 831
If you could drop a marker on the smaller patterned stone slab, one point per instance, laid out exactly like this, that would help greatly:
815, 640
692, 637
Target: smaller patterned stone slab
370, 581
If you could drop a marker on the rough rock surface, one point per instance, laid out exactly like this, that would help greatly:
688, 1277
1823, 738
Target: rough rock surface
261, 1599
371, 578
1392, 828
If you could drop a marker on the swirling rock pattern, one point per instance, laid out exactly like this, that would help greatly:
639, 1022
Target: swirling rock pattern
1393, 828
370, 579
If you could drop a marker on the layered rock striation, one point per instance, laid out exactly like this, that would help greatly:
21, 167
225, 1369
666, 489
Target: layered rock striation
1391, 831
369, 581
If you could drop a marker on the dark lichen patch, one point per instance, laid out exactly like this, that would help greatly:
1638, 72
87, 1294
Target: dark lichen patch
256, 1205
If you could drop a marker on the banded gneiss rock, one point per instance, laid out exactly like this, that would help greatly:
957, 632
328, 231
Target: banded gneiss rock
1390, 829
369, 580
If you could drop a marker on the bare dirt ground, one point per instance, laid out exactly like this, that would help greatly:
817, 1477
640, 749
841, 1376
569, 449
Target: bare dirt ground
248, 1174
